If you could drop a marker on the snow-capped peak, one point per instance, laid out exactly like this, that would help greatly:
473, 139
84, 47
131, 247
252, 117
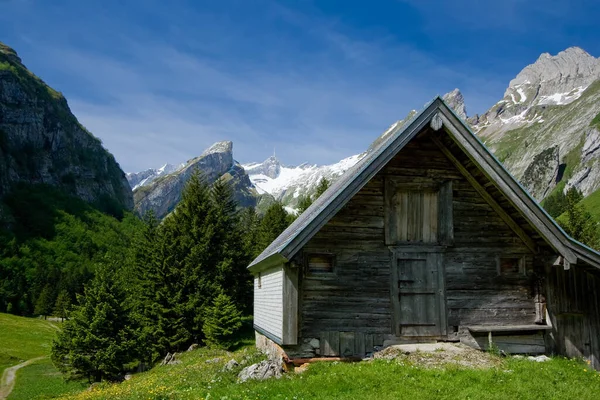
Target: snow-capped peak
138, 179
289, 183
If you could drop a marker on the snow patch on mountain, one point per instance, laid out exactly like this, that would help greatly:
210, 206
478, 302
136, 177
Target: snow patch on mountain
295, 181
562, 98
522, 94
143, 178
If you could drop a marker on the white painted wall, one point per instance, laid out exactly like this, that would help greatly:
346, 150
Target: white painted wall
268, 302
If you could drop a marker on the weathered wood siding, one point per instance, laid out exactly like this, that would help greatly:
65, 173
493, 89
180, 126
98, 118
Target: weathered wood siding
356, 297
268, 302
573, 302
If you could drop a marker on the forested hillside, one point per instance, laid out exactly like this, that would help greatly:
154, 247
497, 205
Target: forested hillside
50, 246
181, 281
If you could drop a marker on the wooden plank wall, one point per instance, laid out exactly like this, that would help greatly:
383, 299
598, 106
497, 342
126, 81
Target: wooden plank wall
573, 303
357, 296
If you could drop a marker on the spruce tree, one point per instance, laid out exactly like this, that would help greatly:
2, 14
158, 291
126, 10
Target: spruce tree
579, 222
183, 264
62, 305
156, 293
248, 226
190, 251
230, 259
271, 225
97, 341
303, 203
322, 187
45, 301
222, 323
555, 204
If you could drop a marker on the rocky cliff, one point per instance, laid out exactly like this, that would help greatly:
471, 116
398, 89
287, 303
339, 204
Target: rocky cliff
41, 141
144, 178
546, 131
543, 130
163, 193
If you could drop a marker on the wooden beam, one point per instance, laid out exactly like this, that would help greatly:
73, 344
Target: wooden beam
290, 305
487, 197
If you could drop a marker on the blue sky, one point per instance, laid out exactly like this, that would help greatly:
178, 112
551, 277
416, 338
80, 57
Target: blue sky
160, 81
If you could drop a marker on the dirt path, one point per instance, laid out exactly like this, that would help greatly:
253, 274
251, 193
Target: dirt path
7, 383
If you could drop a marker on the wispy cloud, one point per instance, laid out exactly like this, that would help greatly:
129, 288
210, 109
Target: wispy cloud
306, 83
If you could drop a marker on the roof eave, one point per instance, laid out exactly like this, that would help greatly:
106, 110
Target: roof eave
272, 261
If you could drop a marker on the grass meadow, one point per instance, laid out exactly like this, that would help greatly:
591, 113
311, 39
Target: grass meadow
22, 339
195, 378
511, 378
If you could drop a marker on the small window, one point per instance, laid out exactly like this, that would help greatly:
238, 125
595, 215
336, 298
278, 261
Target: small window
320, 264
510, 265
259, 279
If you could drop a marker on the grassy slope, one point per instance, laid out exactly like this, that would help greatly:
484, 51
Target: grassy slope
25, 338
380, 379
592, 203
42, 380
514, 145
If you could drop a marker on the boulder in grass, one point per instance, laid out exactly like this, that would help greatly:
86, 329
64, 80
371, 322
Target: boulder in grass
261, 371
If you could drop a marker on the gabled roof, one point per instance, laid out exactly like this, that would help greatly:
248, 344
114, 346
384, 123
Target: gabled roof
437, 114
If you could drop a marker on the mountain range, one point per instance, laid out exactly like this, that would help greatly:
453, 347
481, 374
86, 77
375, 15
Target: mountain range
546, 131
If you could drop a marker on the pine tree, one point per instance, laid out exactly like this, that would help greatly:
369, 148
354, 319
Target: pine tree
248, 226
193, 250
62, 305
579, 222
303, 203
222, 323
321, 187
231, 261
555, 204
197, 252
44, 302
156, 294
271, 225
96, 342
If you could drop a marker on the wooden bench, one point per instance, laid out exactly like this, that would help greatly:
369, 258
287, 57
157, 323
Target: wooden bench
512, 339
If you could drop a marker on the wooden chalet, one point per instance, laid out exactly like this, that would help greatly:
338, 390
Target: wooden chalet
427, 238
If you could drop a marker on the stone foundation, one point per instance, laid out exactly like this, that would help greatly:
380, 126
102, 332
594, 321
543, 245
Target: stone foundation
309, 348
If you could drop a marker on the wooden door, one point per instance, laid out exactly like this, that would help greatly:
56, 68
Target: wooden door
418, 294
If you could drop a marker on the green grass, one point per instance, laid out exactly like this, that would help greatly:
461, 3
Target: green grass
379, 379
592, 203
42, 381
596, 121
24, 338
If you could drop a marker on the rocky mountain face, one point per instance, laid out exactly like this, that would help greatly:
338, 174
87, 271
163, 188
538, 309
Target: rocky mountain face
144, 178
456, 101
543, 130
163, 191
254, 183
41, 141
